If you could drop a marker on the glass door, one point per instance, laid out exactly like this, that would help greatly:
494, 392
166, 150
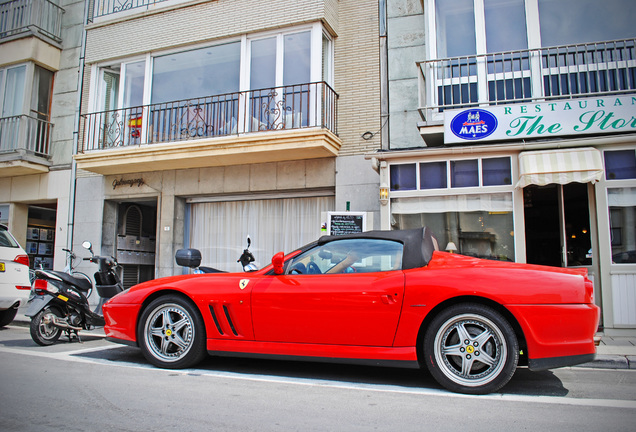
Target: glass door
558, 228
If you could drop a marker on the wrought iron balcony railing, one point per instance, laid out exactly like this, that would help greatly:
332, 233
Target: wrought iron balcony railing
101, 8
560, 72
281, 108
22, 16
23, 132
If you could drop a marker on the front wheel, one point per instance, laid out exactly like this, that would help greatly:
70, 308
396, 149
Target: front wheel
471, 348
43, 332
171, 333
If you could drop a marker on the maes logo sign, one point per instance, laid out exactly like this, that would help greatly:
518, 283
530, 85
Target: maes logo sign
473, 124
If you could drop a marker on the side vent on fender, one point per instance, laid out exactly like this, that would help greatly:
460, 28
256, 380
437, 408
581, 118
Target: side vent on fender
229, 320
216, 321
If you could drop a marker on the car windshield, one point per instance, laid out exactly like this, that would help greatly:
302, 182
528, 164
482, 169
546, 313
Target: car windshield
349, 256
6, 239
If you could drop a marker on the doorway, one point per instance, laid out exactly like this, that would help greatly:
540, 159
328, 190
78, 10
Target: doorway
558, 229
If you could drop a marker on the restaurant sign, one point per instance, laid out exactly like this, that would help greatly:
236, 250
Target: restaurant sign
541, 119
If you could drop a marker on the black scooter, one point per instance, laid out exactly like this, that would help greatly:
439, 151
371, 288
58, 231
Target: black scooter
59, 300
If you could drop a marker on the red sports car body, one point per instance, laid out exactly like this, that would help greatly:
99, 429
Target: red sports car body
380, 297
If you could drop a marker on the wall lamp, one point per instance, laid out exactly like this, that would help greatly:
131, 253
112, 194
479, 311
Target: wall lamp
384, 195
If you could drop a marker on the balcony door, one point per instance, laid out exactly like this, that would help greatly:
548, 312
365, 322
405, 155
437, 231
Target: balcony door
280, 73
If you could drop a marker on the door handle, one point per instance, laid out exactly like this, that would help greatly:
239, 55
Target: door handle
387, 299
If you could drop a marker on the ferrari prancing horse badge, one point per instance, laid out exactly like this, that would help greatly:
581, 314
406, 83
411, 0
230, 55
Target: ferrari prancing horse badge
243, 283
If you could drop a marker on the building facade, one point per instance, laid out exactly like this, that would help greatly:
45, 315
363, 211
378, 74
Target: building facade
40, 44
512, 134
203, 122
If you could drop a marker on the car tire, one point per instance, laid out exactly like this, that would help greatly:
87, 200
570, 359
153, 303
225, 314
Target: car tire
171, 333
7, 315
42, 332
471, 348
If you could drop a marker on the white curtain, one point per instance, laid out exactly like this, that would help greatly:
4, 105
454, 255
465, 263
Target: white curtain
496, 202
219, 229
621, 197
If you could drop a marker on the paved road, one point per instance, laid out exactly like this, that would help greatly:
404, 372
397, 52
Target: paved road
97, 385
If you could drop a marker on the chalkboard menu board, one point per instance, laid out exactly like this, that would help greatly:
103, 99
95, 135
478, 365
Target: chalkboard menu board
346, 223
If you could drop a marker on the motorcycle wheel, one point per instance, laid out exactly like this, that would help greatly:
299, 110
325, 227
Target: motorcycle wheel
43, 332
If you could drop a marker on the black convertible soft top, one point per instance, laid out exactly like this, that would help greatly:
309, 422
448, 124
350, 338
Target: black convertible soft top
419, 243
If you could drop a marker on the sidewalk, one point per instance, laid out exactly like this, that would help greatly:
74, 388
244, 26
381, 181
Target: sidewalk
613, 352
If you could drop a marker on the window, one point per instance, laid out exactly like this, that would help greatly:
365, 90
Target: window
433, 175
12, 87
576, 21
200, 92
464, 173
403, 177
483, 47
620, 165
478, 225
622, 212
349, 256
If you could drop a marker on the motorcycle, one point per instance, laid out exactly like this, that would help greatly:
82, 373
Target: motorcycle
192, 258
59, 300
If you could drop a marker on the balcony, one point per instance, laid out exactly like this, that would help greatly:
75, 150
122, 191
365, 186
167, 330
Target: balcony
283, 123
24, 145
562, 72
100, 8
22, 18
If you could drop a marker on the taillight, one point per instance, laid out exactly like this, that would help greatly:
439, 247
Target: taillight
22, 259
40, 284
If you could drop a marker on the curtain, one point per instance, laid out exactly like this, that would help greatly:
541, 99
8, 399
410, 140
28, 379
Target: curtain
496, 202
219, 229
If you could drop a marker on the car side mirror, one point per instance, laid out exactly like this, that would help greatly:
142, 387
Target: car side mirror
277, 262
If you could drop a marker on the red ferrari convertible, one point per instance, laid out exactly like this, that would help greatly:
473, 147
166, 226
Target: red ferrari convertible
379, 297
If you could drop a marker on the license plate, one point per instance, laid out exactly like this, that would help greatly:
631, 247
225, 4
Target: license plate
1, 266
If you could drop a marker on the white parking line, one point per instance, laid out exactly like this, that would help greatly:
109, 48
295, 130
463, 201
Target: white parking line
75, 356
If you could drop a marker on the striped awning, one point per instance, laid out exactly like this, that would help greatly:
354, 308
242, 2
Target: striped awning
580, 165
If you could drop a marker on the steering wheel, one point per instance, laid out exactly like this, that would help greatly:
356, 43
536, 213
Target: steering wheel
312, 268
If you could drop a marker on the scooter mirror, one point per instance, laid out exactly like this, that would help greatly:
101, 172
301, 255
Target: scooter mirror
87, 245
249, 241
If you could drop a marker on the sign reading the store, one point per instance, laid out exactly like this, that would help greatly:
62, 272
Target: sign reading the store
541, 119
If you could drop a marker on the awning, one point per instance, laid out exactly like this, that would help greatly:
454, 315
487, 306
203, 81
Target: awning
580, 165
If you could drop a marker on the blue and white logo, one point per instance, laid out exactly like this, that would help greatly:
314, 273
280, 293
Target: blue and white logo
473, 124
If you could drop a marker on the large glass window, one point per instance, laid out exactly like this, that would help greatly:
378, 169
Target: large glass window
13, 91
455, 28
577, 21
622, 212
505, 25
198, 73
474, 225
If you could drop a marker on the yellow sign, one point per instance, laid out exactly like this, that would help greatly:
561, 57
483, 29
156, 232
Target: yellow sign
1, 266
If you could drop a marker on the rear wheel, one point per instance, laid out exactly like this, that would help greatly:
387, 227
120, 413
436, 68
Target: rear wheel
171, 333
7, 315
471, 348
43, 332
